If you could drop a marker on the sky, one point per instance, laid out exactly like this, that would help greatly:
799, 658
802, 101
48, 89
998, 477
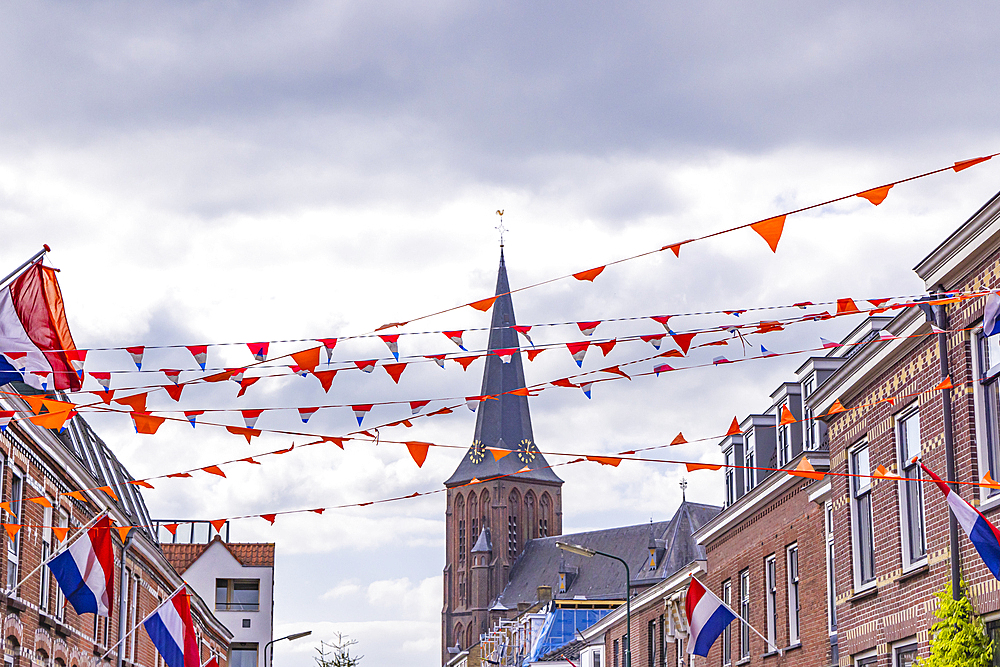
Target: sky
227, 172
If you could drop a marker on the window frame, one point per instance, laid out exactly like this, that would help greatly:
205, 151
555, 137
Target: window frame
727, 634
906, 489
14, 543
771, 598
784, 435
810, 426
728, 456
792, 581
987, 382
859, 497
230, 604
831, 575
749, 469
745, 613
905, 646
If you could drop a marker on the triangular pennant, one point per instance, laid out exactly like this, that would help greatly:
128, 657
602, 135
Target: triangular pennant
250, 417
392, 342
588, 328
563, 382
828, 343
786, 416
988, 481
328, 345
586, 388
679, 440
589, 274
123, 531
60, 532
174, 390
179, 475
108, 490
259, 350
145, 422
307, 359
417, 406
534, 353
654, 340
683, 340
612, 461
360, 411
418, 451
269, 518
218, 524
664, 320
394, 370
5, 417
76, 359
770, 230
578, 351
764, 352
607, 346
691, 467
106, 396
251, 459
57, 406
35, 403
135, 401
200, 354
965, 164
483, 304
472, 402
75, 494
734, 428
456, 338
51, 420
944, 384
11, 529
325, 378
337, 441
40, 500
214, 470
885, 335
136, 354
245, 384
882, 473
192, 414
247, 433
720, 360
141, 482
465, 361
846, 307
5, 506
436, 358
876, 195
306, 413
366, 366
499, 452
836, 407
318, 510
805, 469
227, 374
674, 248
617, 371
171, 527
662, 368
506, 354
523, 330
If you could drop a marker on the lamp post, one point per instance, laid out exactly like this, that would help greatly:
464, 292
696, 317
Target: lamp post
590, 553
291, 638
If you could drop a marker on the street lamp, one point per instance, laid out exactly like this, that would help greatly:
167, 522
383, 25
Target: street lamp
291, 638
589, 553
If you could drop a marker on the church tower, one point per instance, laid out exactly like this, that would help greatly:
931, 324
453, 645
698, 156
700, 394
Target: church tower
513, 499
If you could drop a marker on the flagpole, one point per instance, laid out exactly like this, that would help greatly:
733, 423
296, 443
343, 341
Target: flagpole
766, 640
146, 618
34, 258
62, 548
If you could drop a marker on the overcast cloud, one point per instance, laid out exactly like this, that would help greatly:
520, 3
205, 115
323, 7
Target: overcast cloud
226, 171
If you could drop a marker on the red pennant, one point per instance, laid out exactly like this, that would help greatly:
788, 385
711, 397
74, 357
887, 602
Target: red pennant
455, 337
223, 376
337, 441
307, 359
734, 428
786, 416
174, 390
876, 195
674, 248
684, 340
418, 450
679, 440
106, 396
146, 423
366, 366
245, 384
534, 353
141, 482
269, 517
179, 475
589, 274
328, 344
612, 461
251, 459
247, 433
607, 346
465, 361
325, 378
200, 354
318, 510
394, 370
662, 319
846, 307
259, 350
945, 384
965, 164
770, 230
218, 524
562, 382
587, 328
617, 371
171, 527
214, 470
483, 304
250, 417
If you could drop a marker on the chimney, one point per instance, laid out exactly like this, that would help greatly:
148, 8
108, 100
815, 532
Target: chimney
544, 593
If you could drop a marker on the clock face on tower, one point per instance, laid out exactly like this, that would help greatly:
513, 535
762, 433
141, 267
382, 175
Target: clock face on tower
526, 451
477, 453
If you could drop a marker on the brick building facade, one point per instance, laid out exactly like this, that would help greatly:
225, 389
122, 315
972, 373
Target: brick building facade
40, 628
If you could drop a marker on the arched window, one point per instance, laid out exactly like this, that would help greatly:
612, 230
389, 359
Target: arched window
530, 516
459, 635
472, 639
460, 522
544, 515
484, 510
513, 512
473, 520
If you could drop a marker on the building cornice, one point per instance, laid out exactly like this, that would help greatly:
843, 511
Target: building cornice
969, 244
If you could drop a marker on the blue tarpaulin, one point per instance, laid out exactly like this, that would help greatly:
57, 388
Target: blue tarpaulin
560, 629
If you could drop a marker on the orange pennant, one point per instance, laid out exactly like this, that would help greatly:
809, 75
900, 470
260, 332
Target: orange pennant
75, 494
171, 527
805, 469
418, 450
786, 416
734, 428
483, 304
245, 432
325, 378
882, 473
965, 164
214, 470
691, 467
770, 230
612, 461
136, 401
146, 423
108, 490
123, 531
836, 407
6, 507
846, 307
945, 384
60, 533
218, 524
876, 195
141, 482
52, 420
394, 370
337, 441
57, 406
35, 403
40, 500
11, 529
679, 440
674, 248
465, 361
589, 274
307, 359
498, 452
988, 481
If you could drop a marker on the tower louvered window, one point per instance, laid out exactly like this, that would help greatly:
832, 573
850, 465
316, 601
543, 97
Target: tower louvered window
461, 540
512, 536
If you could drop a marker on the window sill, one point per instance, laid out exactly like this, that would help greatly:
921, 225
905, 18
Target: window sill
794, 646
16, 604
913, 572
863, 594
743, 661
991, 503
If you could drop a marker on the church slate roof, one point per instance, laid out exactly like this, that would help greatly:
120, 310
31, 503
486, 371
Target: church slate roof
504, 423
600, 578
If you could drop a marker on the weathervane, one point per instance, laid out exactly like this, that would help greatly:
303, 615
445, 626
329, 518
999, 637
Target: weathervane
684, 486
500, 228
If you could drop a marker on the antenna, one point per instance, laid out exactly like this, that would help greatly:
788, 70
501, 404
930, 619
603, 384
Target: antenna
500, 228
684, 486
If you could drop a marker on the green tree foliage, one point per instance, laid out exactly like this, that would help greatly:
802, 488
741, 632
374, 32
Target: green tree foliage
959, 638
337, 653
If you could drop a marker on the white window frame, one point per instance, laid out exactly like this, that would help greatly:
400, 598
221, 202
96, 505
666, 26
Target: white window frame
910, 562
745, 613
810, 426
771, 598
902, 645
784, 435
14, 544
730, 476
865, 658
749, 461
853, 491
727, 634
988, 498
831, 575
792, 581
44, 575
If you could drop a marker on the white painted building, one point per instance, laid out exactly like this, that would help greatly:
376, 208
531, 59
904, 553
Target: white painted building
239, 578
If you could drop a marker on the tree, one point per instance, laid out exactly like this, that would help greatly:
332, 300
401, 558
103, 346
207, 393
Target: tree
959, 639
337, 653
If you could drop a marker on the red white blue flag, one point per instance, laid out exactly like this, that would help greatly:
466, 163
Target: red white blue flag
707, 618
85, 571
983, 534
172, 631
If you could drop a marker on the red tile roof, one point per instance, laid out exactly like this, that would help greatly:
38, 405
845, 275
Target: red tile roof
248, 554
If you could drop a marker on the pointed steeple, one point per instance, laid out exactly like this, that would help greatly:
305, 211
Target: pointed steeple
503, 423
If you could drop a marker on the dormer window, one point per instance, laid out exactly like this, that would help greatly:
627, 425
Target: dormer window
784, 438
652, 559
730, 478
810, 426
749, 462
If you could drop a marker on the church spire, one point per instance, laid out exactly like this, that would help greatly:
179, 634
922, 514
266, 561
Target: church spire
504, 423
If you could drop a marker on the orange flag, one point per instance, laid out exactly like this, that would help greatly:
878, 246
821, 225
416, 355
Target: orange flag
214, 470
612, 461
123, 531
770, 230
75, 494
691, 467
136, 401
679, 440
35, 403
965, 164
988, 481
325, 378
418, 450
945, 384
394, 370
786, 416
141, 482
247, 433
483, 304
805, 469
146, 423
218, 524
836, 407
11, 529
307, 359
876, 195
269, 517
498, 452
52, 420
171, 527
589, 274
734, 428
60, 532
674, 248
6, 506
44, 502
108, 490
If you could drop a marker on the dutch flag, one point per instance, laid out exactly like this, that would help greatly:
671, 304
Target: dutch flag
172, 631
85, 571
707, 617
983, 534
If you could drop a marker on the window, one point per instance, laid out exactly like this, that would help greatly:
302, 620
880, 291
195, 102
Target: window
989, 382
663, 642
911, 491
792, 561
681, 655
784, 438
745, 613
243, 655
14, 516
237, 595
810, 426
60, 601
597, 658
771, 590
866, 661
749, 473
651, 644
727, 634
44, 575
861, 502
543, 516
730, 478
461, 540
614, 652
905, 656
513, 505
831, 581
